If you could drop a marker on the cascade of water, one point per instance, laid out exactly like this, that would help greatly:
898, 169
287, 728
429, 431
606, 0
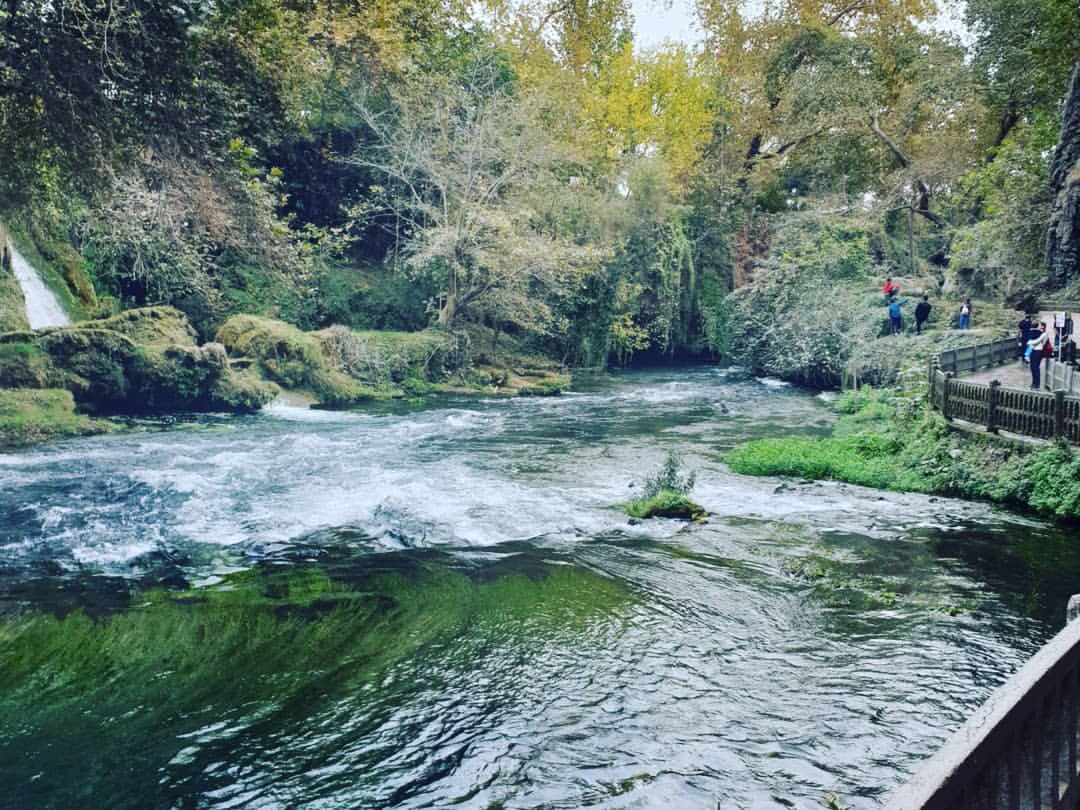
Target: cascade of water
42, 307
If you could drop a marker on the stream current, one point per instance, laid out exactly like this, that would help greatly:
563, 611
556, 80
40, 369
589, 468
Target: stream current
442, 605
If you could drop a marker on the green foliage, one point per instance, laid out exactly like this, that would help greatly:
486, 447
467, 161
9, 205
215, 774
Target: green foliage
664, 494
892, 444
32, 415
24, 365
1002, 252
669, 478
806, 310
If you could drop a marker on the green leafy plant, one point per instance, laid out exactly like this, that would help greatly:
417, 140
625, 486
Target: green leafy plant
665, 494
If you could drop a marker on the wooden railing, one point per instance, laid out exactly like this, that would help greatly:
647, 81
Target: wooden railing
1053, 414
1043, 414
968, 359
1019, 750
1063, 377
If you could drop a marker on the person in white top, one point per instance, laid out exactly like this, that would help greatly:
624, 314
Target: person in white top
1036, 343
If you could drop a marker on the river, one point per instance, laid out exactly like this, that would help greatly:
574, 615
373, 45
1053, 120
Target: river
441, 604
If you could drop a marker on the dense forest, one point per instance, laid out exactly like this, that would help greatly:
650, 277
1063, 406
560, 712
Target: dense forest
524, 171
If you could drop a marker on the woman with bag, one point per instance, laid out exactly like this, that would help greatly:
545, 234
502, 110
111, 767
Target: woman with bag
1036, 345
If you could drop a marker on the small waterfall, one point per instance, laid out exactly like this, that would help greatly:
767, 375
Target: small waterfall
42, 307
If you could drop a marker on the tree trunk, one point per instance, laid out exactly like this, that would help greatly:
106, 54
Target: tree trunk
448, 312
1063, 233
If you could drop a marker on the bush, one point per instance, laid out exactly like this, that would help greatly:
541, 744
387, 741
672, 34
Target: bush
665, 494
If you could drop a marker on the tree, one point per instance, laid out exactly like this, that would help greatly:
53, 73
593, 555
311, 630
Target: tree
461, 159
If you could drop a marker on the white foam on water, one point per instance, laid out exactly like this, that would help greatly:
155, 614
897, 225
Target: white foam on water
42, 306
111, 553
772, 382
280, 409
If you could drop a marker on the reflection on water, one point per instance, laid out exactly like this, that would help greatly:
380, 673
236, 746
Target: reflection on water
419, 607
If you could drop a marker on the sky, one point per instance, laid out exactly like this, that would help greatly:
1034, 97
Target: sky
657, 20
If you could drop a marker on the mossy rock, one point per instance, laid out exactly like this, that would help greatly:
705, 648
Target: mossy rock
157, 326
239, 392
139, 361
33, 415
67, 261
381, 359
293, 359
24, 365
521, 380
667, 504
267, 340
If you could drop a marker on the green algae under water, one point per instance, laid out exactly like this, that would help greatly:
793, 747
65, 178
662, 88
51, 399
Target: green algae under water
259, 657
445, 606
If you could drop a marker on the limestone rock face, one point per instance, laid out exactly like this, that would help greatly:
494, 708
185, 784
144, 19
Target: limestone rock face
1063, 234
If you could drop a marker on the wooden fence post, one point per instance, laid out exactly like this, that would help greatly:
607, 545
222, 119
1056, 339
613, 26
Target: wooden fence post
991, 411
1059, 414
945, 395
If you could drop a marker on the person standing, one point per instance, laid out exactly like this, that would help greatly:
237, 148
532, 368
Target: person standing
922, 312
1036, 341
895, 318
964, 321
1022, 330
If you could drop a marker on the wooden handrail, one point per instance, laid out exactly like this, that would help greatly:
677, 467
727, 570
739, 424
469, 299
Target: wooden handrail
1043, 414
1019, 749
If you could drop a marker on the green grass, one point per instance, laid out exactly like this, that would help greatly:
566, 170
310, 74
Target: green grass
886, 442
32, 415
665, 504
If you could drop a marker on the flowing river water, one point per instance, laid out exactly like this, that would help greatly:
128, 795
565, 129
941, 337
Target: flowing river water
442, 605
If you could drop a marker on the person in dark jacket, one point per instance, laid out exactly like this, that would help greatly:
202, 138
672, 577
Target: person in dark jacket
922, 312
1022, 330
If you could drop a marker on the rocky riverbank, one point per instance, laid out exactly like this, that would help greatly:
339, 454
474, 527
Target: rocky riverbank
149, 362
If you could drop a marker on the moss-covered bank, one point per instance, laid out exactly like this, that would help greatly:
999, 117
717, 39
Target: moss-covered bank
36, 414
148, 361
140, 361
339, 366
889, 442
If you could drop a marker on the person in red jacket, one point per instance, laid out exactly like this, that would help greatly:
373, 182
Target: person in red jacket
890, 289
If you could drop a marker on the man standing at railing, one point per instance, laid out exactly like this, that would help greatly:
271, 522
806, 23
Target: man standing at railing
1036, 342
